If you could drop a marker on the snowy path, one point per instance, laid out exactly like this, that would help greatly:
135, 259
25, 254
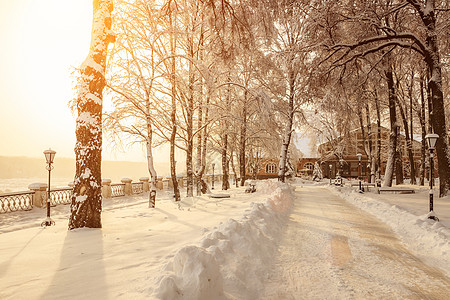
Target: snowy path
332, 250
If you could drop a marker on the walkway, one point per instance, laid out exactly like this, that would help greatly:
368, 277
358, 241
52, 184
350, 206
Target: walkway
332, 250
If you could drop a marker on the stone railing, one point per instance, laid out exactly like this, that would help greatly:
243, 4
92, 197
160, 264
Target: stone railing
10, 202
37, 194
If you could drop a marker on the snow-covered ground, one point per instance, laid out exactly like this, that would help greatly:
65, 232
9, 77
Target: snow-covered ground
196, 250
407, 215
205, 248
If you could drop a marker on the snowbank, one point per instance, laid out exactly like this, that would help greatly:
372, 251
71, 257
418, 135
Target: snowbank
428, 239
234, 259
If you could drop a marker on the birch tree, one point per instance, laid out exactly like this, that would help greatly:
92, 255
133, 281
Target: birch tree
86, 205
134, 74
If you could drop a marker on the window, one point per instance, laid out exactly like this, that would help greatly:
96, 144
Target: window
309, 166
271, 168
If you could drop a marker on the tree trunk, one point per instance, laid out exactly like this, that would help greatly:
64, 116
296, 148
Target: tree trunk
173, 134
225, 182
205, 139
190, 123
408, 145
152, 171
363, 132
377, 107
86, 205
288, 130
399, 179
427, 12
389, 171
242, 141
370, 145
423, 157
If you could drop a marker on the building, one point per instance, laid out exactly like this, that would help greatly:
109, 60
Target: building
339, 155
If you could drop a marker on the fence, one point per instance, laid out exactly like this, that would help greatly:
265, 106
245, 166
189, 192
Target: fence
16, 201
118, 189
60, 196
37, 196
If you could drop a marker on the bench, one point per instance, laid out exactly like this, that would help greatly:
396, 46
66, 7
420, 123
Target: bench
396, 190
364, 185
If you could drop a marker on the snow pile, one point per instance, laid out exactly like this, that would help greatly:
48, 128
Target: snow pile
429, 239
234, 259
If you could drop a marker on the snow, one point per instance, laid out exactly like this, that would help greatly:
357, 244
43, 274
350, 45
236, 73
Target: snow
243, 247
81, 198
87, 119
86, 174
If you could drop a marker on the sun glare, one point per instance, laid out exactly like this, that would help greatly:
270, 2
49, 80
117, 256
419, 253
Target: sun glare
41, 43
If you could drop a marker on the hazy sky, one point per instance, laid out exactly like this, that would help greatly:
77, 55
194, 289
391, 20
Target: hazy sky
41, 41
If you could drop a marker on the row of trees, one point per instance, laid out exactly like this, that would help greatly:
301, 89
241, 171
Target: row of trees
234, 79
384, 58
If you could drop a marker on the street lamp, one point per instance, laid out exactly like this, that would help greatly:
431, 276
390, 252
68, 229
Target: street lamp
431, 140
213, 165
359, 155
330, 166
49, 157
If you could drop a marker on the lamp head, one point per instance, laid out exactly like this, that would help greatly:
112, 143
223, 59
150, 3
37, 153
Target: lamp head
431, 140
49, 155
359, 155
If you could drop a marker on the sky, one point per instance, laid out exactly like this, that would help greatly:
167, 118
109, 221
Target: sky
41, 44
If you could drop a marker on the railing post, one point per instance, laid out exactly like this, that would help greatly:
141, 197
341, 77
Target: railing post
145, 184
128, 188
106, 188
159, 183
165, 182
40, 194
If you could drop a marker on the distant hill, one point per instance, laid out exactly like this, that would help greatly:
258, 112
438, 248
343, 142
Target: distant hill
28, 167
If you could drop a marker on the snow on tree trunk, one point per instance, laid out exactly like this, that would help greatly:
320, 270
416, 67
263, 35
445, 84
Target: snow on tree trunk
389, 172
288, 130
199, 166
86, 205
150, 165
190, 120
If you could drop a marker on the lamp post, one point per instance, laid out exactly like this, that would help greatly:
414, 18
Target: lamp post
359, 155
330, 166
431, 141
213, 165
49, 156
